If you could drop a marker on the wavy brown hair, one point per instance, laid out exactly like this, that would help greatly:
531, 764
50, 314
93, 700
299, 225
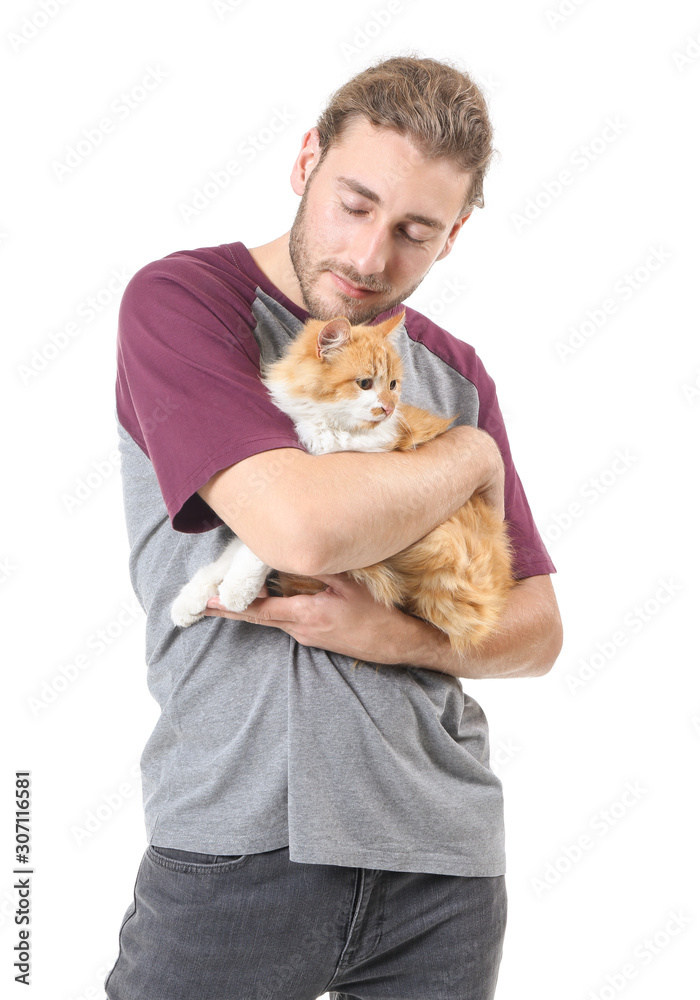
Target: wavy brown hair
436, 105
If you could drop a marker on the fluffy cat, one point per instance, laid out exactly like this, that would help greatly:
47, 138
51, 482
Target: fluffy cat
340, 385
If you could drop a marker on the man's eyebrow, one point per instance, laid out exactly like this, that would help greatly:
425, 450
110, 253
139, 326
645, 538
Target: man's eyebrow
372, 196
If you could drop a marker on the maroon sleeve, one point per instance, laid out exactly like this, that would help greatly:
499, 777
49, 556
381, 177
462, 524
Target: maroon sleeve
188, 386
531, 557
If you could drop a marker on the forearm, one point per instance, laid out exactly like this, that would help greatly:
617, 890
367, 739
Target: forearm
526, 645
376, 504
313, 514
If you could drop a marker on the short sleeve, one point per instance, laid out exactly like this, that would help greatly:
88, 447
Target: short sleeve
188, 381
530, 555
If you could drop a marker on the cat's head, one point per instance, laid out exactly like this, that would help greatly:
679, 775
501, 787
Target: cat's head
351, 374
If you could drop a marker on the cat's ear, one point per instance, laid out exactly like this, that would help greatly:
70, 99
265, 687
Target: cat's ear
388, 327
332, 336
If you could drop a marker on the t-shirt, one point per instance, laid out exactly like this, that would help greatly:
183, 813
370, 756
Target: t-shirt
262, 742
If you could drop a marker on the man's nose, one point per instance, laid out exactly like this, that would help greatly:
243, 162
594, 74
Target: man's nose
370, 251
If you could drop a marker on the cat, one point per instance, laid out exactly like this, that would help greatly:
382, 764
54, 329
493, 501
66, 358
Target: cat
340, 384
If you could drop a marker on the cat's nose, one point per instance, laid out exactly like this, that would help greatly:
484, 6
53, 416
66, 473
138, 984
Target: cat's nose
388, 408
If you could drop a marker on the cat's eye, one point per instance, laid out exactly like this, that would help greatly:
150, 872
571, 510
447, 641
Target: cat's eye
364, 383
392, 384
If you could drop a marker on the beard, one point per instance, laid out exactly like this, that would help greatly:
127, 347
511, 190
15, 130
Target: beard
308, 270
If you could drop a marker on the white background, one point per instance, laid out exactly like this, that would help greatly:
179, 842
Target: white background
608, 764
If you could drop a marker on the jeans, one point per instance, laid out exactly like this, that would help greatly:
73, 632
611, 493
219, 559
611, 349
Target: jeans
262, 927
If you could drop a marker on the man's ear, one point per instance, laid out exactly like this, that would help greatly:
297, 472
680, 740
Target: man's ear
453, 235
308, 158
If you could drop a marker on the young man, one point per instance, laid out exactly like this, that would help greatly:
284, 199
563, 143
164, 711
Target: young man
314, 827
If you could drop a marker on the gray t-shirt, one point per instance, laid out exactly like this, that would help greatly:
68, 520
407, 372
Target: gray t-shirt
262, 742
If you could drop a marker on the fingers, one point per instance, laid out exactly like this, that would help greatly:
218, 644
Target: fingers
276, 611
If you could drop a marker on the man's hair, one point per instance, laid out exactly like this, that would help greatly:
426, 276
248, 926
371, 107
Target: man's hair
438, 107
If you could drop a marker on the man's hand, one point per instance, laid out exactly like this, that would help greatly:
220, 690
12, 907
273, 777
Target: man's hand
343, 618
493, 488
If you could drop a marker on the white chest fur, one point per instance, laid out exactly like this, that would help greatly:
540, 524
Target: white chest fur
322, 427
319, 437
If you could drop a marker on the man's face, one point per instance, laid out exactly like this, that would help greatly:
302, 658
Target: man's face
374, 217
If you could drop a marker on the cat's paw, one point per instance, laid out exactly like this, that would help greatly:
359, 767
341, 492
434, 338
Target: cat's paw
183, 616
190, 604
237, 595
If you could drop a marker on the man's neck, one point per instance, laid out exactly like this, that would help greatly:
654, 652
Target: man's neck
275, 263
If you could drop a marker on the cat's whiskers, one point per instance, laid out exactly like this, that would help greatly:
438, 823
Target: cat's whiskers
406, 426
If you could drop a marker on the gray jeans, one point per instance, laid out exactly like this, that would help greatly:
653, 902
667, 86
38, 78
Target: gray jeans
262, 927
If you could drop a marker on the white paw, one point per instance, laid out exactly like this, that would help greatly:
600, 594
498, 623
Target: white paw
182, 616
189, 605
236, 595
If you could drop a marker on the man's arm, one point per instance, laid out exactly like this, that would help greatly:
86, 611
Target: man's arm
317, 514
527, 643
346, 619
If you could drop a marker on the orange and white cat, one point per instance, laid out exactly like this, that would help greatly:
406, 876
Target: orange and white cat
340, 384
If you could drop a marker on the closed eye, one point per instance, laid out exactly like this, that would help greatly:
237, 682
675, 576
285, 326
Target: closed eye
362, 211
353, 211
410, 238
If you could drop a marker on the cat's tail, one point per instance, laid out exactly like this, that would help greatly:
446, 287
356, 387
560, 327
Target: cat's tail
458, 576
384, 584
466, 616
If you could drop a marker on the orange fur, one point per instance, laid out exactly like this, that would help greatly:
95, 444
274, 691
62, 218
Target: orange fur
458, 576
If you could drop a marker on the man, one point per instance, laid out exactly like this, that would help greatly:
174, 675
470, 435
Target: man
314, 827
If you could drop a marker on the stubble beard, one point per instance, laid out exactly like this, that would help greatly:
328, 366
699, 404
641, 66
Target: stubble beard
307, 271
